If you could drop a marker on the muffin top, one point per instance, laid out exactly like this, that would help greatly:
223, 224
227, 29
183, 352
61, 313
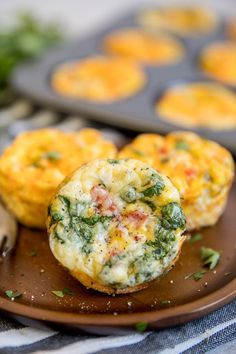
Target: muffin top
117, 221
98, 78
193, 164
199, 104
182, 20
219, 61
41, 159
147, 47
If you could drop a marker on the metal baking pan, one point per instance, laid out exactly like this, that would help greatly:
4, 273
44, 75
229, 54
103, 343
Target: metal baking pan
136, 112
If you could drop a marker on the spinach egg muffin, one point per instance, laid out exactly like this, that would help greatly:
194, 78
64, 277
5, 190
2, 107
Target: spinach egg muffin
200, 169
199, 104
187, 21
36, 163
219, 61
116, 225
143, 46
98, 78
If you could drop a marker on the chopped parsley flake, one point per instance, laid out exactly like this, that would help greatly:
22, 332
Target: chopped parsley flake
13, 294
165, 302
62, 293
141, 326
32, 253
196, 276
210, 257
196, 237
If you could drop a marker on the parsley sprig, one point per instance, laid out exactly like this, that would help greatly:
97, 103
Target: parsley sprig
210, 257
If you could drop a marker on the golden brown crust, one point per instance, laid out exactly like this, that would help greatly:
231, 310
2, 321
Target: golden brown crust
28, 179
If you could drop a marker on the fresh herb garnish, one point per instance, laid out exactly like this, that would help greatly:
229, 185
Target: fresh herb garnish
27, 38
141, 326
210, 257
181, 145
165, 302
13, 294
196, 276
62, 293
32, 253
196, 237
172, 216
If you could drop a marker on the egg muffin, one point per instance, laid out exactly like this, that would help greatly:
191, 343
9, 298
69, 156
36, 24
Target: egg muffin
146, 47
187, 21
199, 104
116, 225
200, 169
36, 163
219, 61
98, 78
231, 29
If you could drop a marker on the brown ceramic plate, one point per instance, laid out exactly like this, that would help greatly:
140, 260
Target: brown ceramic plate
37, 275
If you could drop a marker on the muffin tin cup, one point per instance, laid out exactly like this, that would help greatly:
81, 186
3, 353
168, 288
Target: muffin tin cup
135, 112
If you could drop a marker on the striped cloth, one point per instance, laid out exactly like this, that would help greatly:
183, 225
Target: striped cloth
214, 334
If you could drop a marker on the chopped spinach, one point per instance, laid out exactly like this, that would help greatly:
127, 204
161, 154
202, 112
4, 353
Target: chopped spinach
151, 205
129, 194
113, 161
51, 155
141, 326
162, 243
172, 216
156, 189
95, 219
182, 145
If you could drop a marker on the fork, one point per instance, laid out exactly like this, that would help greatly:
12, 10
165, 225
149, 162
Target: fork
8, 231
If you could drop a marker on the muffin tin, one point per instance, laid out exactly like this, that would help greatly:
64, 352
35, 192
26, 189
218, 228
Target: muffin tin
136, 112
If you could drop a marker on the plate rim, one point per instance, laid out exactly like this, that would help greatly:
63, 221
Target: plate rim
177, 314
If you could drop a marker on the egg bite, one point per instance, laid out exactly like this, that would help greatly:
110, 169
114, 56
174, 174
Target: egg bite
200, 169
231, 29
143, 46
199, 104
116, 225
219, 61
187, 21
36, 163
98, 78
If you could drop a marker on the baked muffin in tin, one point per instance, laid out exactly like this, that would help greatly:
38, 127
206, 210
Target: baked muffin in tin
187, 21
144, 46
33, 166
219, 61
199, 105
200, 169
116, 225
98, 78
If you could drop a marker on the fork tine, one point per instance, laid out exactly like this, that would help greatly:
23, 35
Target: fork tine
8, 231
